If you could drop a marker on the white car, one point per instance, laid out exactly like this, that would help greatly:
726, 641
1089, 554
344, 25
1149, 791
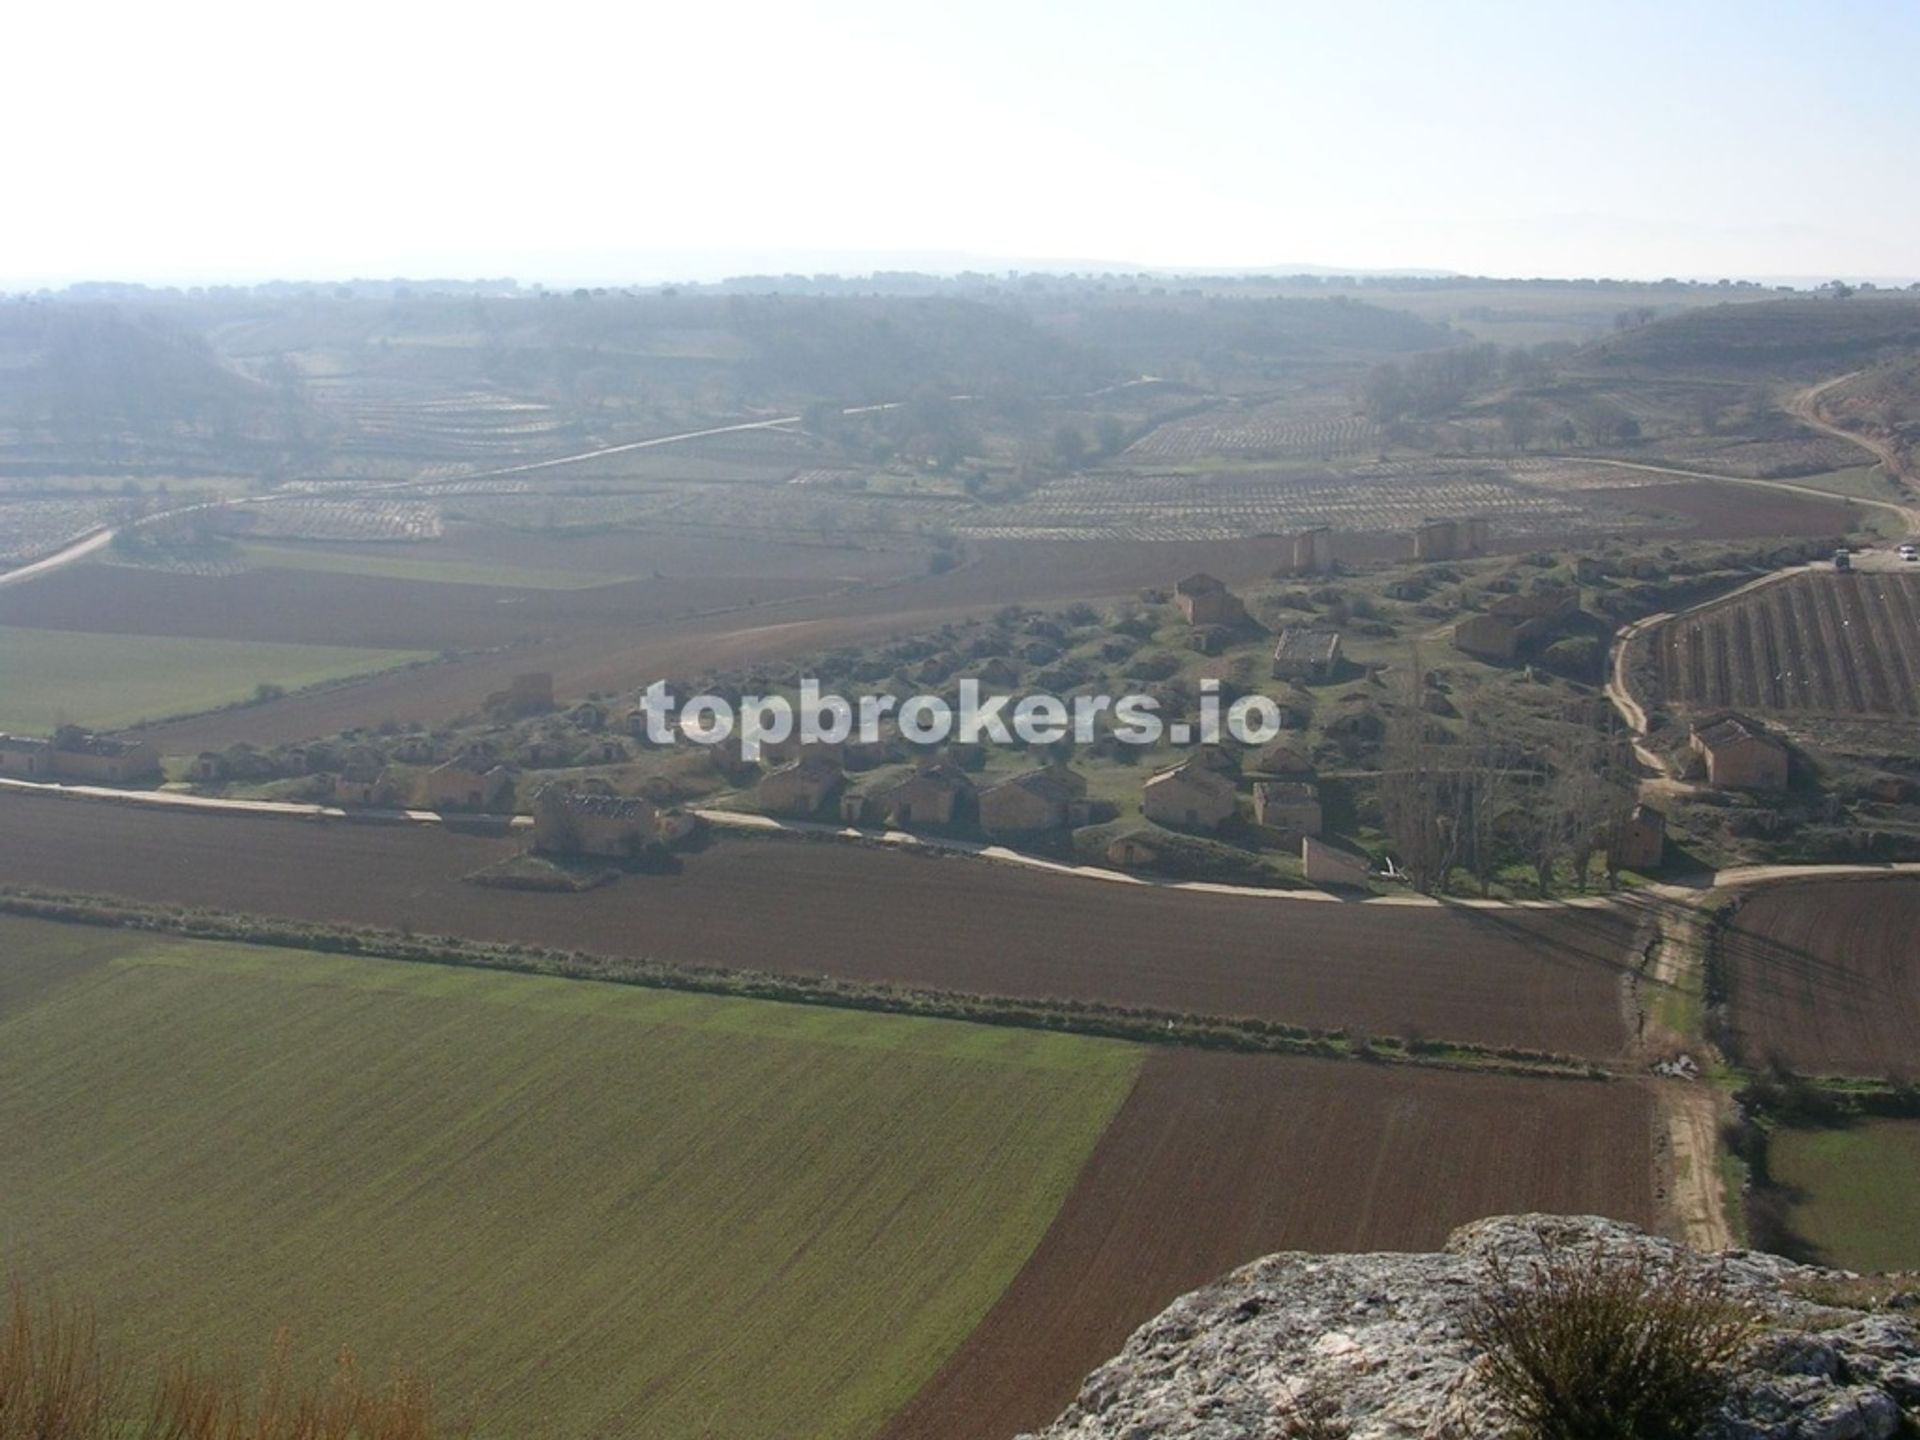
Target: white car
1908, 552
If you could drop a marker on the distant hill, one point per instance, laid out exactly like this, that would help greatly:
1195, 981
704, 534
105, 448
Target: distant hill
1788, 337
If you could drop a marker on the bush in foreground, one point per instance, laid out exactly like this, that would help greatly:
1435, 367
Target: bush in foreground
1595, 1347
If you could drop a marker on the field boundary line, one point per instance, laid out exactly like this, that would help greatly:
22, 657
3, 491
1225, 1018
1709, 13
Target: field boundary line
1909, 515
1142, 1025
767, 826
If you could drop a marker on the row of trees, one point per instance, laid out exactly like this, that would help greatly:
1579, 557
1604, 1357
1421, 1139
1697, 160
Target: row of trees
1514, 788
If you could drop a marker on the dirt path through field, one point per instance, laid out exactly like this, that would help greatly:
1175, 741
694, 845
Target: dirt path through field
1688, 1114
1805, 407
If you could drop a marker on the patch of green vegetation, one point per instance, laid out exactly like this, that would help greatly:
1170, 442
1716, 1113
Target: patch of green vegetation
1862, 482
1852, 1189
106, 682
587, 1207
407, 562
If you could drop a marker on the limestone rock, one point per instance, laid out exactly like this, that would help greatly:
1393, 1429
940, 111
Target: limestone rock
1381, 1337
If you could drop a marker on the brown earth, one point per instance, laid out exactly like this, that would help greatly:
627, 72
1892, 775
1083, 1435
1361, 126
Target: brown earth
1825, 975
593, 640
1217, 1160
1546, 980
1732, 512
691, 576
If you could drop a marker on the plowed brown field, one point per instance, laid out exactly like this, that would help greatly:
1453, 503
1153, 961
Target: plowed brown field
610, 638
1541, 979
1217, 1160
1826, 975
1735, 512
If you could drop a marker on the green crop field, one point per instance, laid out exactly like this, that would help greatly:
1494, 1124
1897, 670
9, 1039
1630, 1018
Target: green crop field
50, 677
594, 1209
1855, 1189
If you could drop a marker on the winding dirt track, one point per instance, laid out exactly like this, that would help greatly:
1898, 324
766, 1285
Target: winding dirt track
1218, 1160
1548, 979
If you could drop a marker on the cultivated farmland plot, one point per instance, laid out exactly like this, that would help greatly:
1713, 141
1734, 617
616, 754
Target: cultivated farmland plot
1822, 975
313, 519
30, 529
587, 1209
1815, 644
1283, 429
1187, 507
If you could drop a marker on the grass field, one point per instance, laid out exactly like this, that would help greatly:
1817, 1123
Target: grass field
1855, 1189
50, 677
411, 563
596, 1209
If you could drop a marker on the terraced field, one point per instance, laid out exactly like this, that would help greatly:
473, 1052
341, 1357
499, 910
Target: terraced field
1811, 645
1221, 506
591, 1209
1315, 430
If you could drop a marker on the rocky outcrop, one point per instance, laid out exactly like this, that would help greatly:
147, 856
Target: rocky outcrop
1379, 1340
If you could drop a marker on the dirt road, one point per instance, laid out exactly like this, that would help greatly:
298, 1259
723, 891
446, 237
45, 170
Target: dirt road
1805, 407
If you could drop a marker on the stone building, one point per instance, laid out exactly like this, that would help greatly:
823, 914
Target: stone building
1306, 654
24, 758
1739, 753
1287, 805
1310, 552
1050, 798
934, 795
1640, 841
1448, 539
802, 787
1203, 600
571, 822
465, 785
1190, 795
1513, 622
1327, 863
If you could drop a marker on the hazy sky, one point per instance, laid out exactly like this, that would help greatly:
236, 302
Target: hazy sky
562, 141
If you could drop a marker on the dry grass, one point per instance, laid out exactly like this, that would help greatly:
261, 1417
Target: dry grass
56, 1383
1607, 1348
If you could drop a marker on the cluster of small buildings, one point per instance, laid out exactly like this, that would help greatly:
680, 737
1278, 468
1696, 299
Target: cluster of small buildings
75, 754
1514, 622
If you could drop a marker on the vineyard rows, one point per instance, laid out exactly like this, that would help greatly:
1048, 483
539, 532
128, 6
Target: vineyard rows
1816, 644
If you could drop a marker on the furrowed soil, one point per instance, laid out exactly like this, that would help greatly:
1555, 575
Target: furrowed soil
1217, 1160
1825, 975
1734, 512
584, 1209
609, 638
1547, 980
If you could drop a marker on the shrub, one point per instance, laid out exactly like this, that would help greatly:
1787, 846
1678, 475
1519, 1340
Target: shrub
1601, 1347
57, 1384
